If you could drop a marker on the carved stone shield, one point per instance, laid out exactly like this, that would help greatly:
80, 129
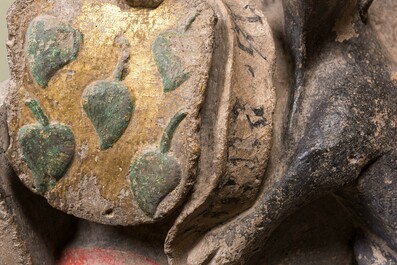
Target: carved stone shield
105, 100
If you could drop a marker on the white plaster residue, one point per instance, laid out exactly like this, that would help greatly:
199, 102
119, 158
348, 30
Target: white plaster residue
344, 28
3, 91
83, 150
87, 199
379, 259
124, 193
388, 181
394, 77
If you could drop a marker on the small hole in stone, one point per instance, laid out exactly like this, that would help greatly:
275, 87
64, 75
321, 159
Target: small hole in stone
108, 213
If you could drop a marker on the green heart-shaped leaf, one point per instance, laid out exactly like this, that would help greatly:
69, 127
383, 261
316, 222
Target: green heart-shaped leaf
168, 64
50, 46
48, 149
153, 176
109, 106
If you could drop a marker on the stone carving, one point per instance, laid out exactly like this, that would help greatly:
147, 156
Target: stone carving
129, 111
182, 142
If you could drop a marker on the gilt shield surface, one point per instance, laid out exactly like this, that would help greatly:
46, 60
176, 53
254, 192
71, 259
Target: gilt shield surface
117, 83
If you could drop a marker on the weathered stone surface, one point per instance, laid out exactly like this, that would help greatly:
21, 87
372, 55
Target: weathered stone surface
13, 249
382, 16
340, 121
239, 135
172, 78
320, 233
371, 251
373, 201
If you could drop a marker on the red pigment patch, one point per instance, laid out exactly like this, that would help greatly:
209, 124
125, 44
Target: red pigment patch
100, 256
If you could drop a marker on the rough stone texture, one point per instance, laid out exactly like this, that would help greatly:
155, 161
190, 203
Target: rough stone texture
373, 200
370, 251
340, 121
382, 16
320, 233
13, 249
